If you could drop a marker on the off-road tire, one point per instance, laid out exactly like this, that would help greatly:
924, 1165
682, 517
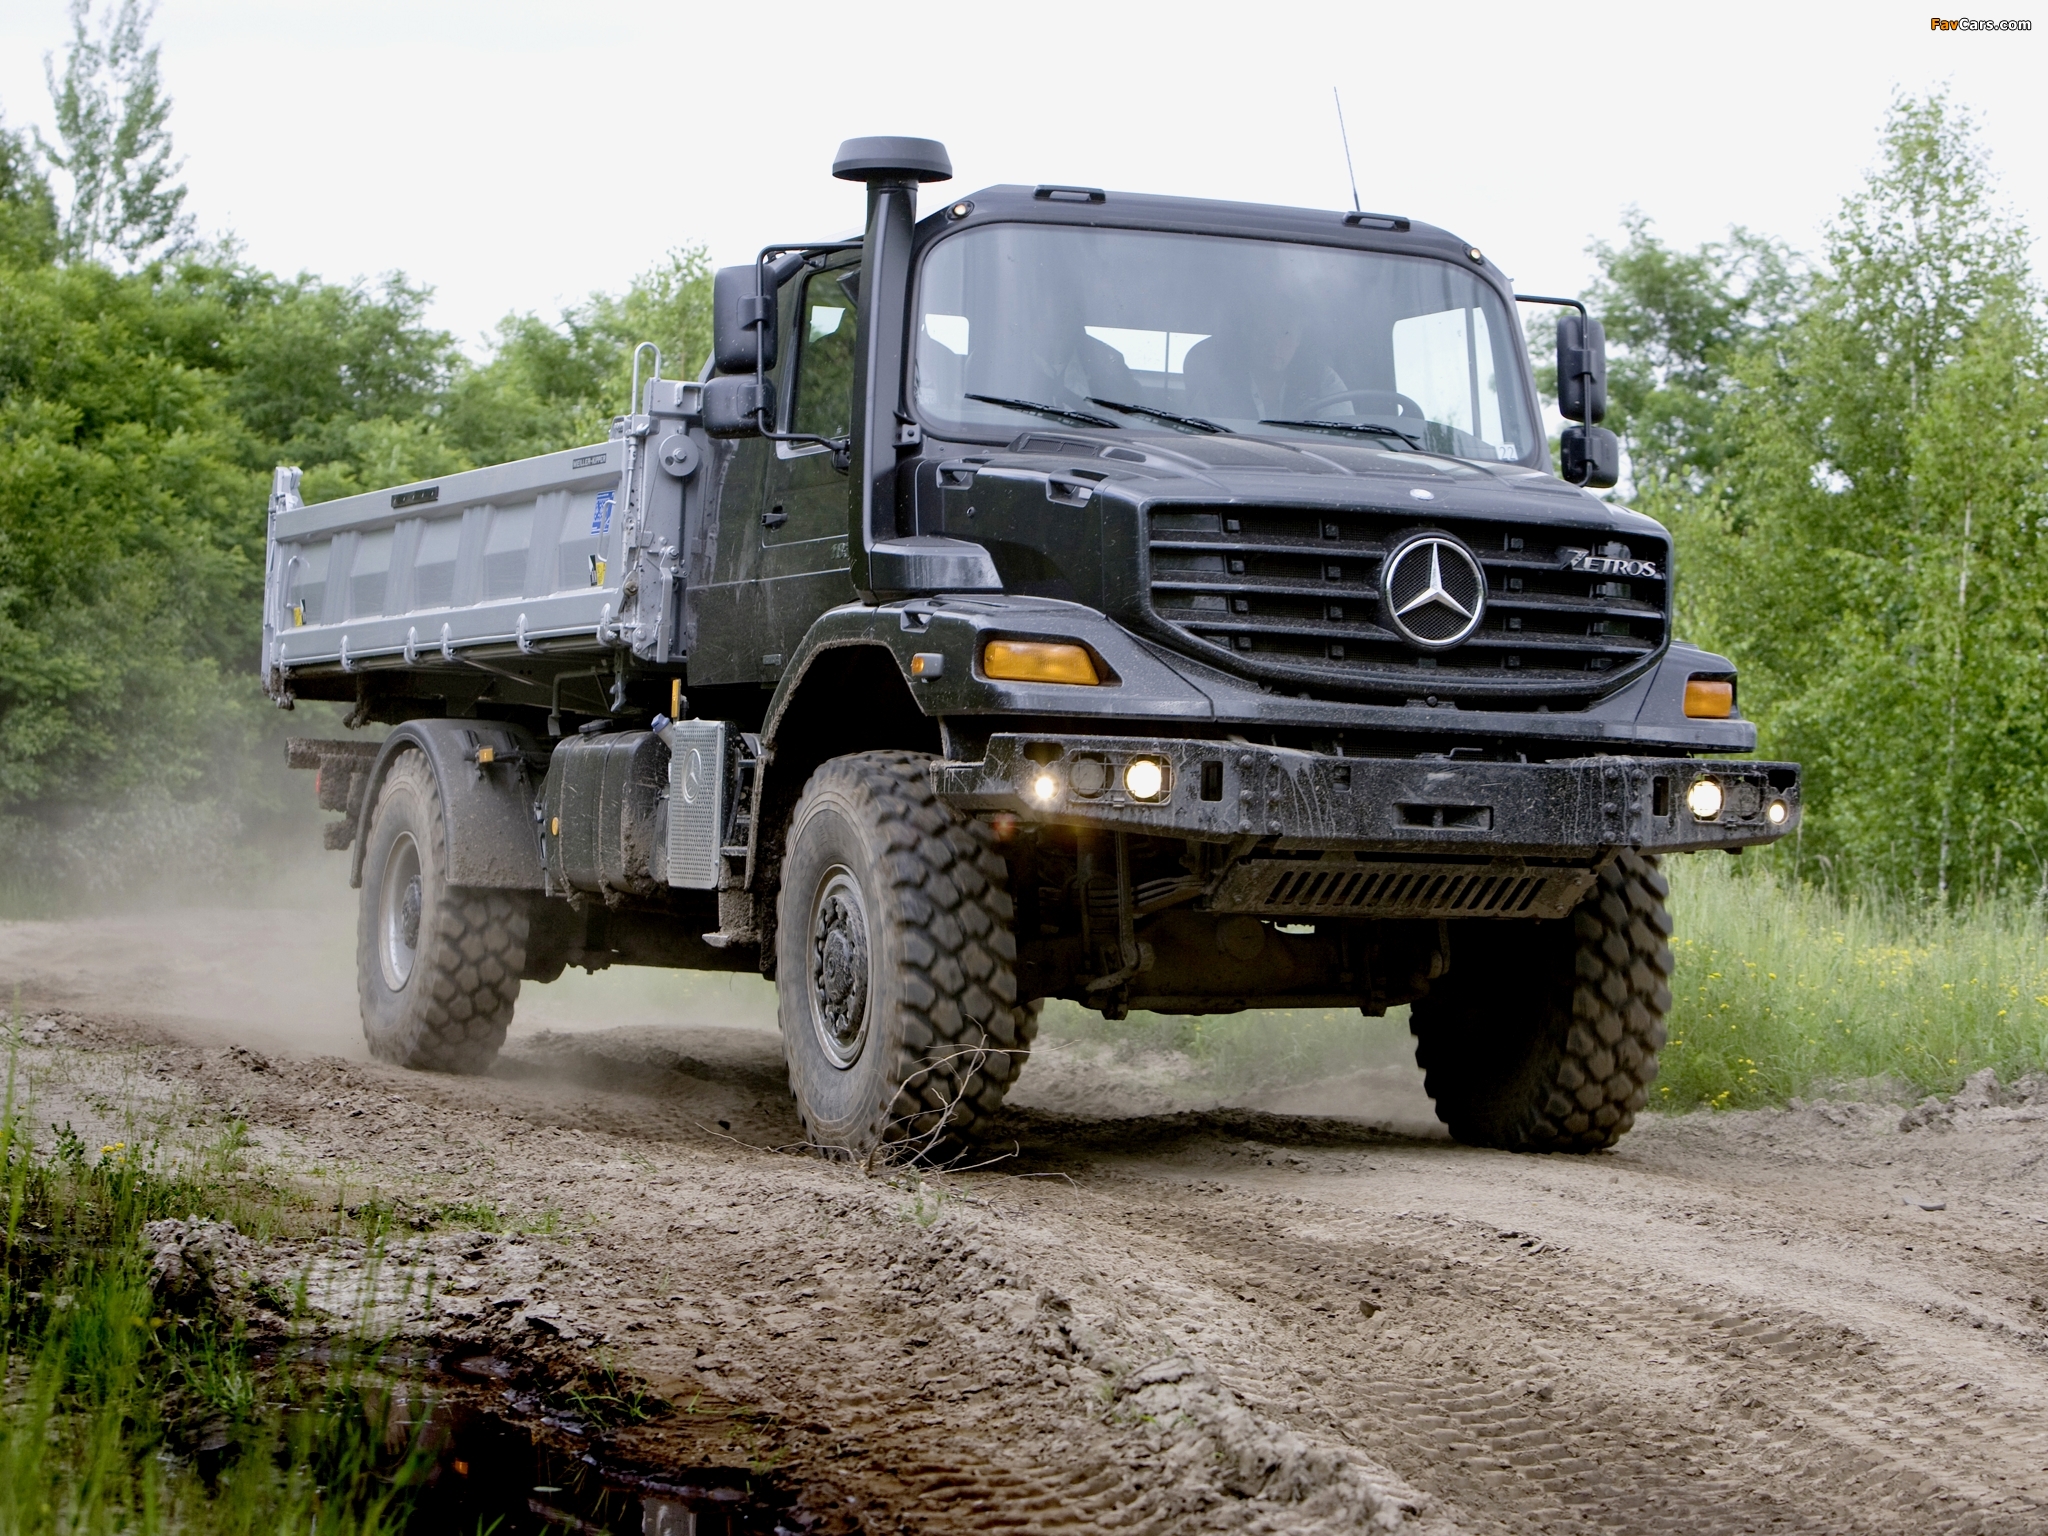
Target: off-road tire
447, 1006
1544, 1036
895, 962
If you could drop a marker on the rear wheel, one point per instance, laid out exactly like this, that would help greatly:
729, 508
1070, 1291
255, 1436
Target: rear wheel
1544, 1036
894, 961
437, 966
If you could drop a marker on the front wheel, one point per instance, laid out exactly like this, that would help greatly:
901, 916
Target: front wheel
437, 966
1544, 1036
894, 962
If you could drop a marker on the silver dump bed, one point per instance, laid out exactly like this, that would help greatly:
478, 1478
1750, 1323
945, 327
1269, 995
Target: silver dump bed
575, 552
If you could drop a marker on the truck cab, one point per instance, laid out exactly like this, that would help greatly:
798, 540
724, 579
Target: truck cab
1149, 602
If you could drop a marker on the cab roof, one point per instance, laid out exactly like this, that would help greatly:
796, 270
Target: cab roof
1097, 208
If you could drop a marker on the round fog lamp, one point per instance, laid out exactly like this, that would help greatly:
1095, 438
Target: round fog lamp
1776, 812
1704, 798
1145, 778
1045, 787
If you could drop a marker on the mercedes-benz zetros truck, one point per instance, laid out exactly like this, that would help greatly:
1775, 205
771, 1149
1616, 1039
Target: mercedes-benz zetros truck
1143, 601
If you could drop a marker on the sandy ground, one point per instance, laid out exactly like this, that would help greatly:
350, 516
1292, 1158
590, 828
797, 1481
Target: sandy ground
1316, 1315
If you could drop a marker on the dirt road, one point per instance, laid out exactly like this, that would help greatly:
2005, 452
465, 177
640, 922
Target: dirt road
1219, 1320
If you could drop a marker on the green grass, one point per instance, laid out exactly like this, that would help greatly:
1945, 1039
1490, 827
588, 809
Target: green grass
117, 1414
1781, 989
1785, 989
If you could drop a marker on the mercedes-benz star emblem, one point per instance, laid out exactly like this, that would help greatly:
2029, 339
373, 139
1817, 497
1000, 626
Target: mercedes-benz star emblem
1433, 591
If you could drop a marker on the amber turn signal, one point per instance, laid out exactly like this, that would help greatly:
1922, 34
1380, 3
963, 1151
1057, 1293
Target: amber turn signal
1709, 698
1038, 661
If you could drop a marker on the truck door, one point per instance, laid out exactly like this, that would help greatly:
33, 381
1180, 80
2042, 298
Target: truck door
804, 518
782, 535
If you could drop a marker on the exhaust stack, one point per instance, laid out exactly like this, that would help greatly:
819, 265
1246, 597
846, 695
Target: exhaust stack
887, 560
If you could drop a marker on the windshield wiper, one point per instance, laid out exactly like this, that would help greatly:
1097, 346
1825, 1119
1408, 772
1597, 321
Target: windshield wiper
1172, 418
1413, 438
1056, 412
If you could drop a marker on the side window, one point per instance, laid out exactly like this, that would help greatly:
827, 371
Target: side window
824, 364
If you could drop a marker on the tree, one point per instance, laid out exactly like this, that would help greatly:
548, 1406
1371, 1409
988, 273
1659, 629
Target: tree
1680, 324
552, 386
28, 221
1867, 542
116, 151
125, 574
140, 415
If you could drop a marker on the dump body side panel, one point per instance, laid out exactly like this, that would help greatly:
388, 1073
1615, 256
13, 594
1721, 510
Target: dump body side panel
519, 551
572, 553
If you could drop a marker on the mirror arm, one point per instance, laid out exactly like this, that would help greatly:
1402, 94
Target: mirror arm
1581, 361
1533, 298
842, 447
1578, 304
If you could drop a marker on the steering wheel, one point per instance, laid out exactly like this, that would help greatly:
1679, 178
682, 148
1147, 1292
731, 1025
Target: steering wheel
1403, 406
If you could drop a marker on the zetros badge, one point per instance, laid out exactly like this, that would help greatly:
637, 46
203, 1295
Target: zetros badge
1432, 591
1607, 565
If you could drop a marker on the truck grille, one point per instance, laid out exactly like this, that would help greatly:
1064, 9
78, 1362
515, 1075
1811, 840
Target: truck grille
1344, 887
1292, 594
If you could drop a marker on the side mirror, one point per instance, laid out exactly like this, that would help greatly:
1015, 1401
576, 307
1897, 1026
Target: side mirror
736, 404
1592, 456
738, 315
1581, 369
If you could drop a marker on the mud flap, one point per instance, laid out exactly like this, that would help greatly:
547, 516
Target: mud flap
486, 772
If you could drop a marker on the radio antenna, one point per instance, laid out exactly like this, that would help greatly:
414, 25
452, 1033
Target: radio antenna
1349, 169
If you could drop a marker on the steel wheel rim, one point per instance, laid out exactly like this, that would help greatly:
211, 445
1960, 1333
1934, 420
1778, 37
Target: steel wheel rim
841, 967
398, 912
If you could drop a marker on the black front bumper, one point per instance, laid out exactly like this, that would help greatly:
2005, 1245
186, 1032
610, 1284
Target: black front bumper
1226, 792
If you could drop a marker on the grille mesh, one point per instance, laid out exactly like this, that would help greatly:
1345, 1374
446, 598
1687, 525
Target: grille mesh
1293, 594
696, 802
1348, 888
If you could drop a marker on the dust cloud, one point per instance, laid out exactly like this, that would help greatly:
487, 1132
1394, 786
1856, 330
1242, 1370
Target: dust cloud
273, 968
244, 933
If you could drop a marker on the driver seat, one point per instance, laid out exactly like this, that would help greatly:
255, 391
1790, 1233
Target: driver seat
1218, 381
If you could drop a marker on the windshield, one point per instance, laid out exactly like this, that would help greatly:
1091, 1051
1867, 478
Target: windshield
1097, 327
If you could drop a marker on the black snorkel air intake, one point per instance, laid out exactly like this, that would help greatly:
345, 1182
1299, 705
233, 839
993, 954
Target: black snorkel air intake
886, 563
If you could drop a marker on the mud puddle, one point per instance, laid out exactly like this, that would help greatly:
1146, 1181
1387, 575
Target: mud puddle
515, 1462
497, 1473
484, 1442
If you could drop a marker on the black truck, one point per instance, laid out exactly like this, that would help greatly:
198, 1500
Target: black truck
1149, 602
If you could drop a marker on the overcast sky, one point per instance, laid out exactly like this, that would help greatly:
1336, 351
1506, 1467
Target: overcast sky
516, 155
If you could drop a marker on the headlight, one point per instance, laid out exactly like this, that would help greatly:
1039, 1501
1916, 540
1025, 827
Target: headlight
1145, 778
1045, 789
1038, 661
1705, 798
1777, 813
